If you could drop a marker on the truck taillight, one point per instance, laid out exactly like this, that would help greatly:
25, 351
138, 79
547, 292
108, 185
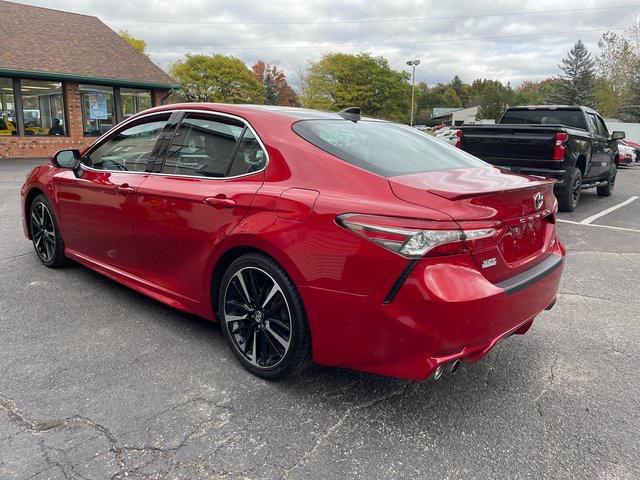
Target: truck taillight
417, 238
459, 136
558, 148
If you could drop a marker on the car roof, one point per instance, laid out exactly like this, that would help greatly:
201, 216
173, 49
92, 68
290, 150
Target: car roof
246, 110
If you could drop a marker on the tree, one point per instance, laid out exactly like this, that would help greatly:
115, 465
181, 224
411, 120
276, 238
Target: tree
216, 78
277, 90
138, 44
534, 93
340, 80
461, 89
630, 111
616, 64
576, 84
491, 96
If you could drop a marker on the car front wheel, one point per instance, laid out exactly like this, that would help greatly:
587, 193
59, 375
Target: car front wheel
263, 317
45, 233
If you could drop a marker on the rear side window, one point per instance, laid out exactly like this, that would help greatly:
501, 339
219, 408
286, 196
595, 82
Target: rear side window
570, 118
249, 157
387, 149
203, 146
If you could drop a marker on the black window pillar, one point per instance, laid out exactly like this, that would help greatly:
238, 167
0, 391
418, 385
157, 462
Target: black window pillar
117, 100
17, 103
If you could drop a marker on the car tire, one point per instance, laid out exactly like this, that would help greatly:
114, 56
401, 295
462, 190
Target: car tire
607, 190
569, 196
263, 317
45, 234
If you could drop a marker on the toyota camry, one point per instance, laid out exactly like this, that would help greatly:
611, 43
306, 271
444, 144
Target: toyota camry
310, 236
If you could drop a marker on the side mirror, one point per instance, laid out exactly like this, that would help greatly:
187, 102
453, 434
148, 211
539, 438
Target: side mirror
67, 159
617, 135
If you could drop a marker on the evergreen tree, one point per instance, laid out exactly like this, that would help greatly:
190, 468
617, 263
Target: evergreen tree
630, 111
576, 84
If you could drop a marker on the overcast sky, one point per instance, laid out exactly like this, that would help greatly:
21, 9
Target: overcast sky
509, 40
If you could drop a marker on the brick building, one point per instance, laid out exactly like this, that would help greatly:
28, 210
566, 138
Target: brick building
67, 78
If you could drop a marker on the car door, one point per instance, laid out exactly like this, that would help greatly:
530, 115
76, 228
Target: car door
600, 149
609, 150
97, 206
210, 175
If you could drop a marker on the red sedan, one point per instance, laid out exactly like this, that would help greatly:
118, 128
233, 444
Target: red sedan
310, 236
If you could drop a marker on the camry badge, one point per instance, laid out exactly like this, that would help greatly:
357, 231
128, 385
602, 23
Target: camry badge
538, 200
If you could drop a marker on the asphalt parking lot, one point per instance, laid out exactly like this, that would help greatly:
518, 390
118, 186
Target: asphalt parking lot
98, 381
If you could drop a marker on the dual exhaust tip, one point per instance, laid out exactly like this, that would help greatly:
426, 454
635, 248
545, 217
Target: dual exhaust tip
452, 367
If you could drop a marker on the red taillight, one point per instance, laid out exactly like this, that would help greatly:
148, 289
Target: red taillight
416, 238
459, 136
558, 148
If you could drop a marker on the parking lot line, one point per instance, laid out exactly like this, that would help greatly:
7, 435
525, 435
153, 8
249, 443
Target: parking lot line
598, 226
590, 219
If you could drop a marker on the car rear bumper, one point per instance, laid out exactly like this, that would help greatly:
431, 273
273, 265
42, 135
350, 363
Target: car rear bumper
442, 312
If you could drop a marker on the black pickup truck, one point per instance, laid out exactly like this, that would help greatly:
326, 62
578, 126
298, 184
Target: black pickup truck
570, 144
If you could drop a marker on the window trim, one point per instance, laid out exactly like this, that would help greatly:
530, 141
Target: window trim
213, 113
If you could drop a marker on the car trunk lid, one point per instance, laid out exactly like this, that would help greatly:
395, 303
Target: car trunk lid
522, 207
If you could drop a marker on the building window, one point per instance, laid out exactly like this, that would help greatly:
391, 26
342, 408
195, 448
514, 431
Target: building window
97, 109
42, 107
134, 101
7, 108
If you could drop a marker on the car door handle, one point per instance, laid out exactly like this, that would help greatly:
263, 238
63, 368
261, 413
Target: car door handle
220, 201
125, 189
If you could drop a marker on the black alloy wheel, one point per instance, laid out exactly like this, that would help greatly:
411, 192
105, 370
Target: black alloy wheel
45, 234
263, 318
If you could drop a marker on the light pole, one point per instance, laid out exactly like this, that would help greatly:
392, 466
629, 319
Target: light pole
413, 64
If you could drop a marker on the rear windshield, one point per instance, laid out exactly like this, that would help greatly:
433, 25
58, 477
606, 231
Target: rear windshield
570, 118
387, 149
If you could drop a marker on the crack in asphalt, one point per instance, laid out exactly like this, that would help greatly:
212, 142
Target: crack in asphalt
39, 426
336, 426
551, 380
593, 297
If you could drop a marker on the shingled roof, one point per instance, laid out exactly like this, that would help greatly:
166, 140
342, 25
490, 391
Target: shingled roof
51, 44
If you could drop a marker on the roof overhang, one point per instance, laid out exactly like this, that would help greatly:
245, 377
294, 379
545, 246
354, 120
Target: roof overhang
74, 77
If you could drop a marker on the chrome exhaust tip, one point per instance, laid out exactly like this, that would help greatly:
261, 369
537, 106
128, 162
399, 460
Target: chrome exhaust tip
455, 366
437, 374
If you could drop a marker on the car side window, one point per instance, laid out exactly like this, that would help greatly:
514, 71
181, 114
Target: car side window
602, 128
596, 125
593, 125
128, 150
249, 157
203, 146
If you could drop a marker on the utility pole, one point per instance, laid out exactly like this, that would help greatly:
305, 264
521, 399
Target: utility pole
413, 64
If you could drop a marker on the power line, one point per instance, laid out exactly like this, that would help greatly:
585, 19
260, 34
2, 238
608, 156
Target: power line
421, 42
381, 20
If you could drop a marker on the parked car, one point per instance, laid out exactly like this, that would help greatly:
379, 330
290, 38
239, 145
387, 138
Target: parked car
635, 146
626, 154
310, 236
570, 144
450, 136
7, 127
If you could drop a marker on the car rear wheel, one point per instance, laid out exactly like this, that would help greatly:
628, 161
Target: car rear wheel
607, 190
570, 195
45, 233
263, 317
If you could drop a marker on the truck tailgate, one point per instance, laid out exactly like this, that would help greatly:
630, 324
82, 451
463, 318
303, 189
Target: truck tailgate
509, 142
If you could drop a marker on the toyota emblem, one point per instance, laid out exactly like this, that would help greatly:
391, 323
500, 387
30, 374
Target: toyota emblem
538, 200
